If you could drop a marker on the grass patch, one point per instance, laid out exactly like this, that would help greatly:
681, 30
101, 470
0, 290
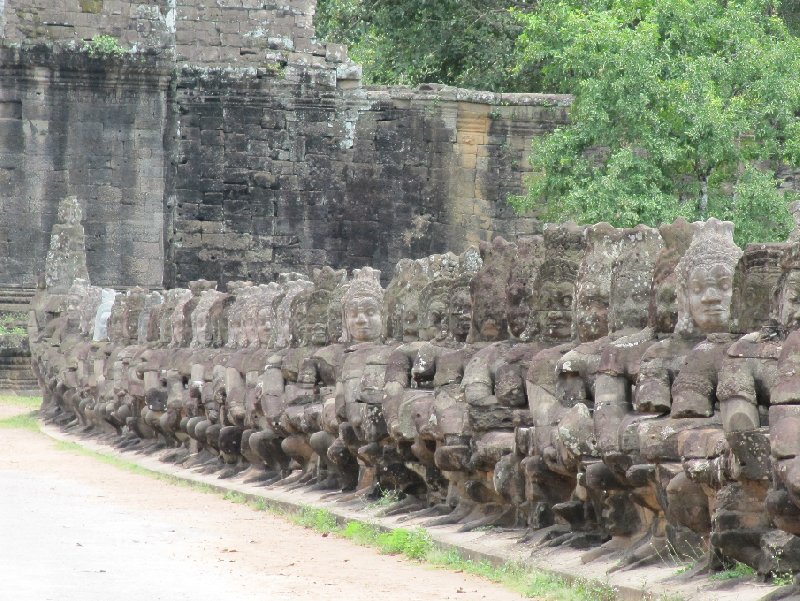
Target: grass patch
414, 544
418, 545
29, 402
11, 324
738, 570
320, 520
385, 499
27, 421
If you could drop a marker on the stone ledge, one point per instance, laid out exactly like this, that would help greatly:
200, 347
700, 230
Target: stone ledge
496, 547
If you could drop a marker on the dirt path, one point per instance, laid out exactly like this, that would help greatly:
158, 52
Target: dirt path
75, 529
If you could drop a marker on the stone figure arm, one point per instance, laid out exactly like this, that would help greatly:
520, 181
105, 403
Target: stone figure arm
273, 386
736, 391
398, 373
654, 384
695, 387
787, 389
478, 380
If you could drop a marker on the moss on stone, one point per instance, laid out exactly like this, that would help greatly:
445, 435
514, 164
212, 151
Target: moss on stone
91, 6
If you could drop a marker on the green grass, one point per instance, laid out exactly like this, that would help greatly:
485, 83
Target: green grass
10, 324
738, 570
385, 499
27, 421
12, 317
29, 402
417, 544
782, 578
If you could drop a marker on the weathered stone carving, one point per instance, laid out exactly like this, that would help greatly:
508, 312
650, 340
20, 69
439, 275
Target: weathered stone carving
590, 384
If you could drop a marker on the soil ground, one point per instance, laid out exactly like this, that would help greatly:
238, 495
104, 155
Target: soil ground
75, 529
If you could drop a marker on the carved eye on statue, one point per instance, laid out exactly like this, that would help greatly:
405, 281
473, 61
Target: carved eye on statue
566, 301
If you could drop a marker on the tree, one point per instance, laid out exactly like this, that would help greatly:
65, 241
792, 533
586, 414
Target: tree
468, 43
682, 107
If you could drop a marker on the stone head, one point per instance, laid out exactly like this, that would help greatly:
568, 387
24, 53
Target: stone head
554, 287
147, 326
100, 329
632, 278
134, 305
172, 299
361, 306
663, 308
115, 324
519, 290
434, 323
393, 299
293, 284
240, 291
787, 291
705, 280
459, 309
407, 306
755, 284
593, 286
181, 319
260, 318
488, 291
336, 311
213, 309
312, 322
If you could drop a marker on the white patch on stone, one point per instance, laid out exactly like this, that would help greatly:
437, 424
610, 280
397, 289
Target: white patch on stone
170, 18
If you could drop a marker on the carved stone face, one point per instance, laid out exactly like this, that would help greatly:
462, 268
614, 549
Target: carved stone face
199, 325
317, 325
310, 323
591, 317
363, 319
460, 314
518, 309
556, 305
410, 323
789, 301
709, 292
435, 320
264, 325
630, 298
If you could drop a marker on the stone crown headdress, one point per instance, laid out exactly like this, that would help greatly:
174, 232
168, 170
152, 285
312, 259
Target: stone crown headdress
712, 244
365, 282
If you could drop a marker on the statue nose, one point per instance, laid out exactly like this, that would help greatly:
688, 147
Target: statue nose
711, 295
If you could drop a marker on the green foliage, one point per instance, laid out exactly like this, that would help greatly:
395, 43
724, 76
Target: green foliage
414, 544
738, 570
28, 421
468, 43
320, 520
385, 498
103, 45
361, 533
681, 108
11, 324
28, 402
782, 579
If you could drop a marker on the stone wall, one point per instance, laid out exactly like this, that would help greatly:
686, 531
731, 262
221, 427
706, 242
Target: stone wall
274, 178
230, 144
73, 125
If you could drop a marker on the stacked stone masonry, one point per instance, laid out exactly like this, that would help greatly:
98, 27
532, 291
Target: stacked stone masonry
226, 142
594, 386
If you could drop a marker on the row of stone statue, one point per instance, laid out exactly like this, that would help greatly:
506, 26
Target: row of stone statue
632, 390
